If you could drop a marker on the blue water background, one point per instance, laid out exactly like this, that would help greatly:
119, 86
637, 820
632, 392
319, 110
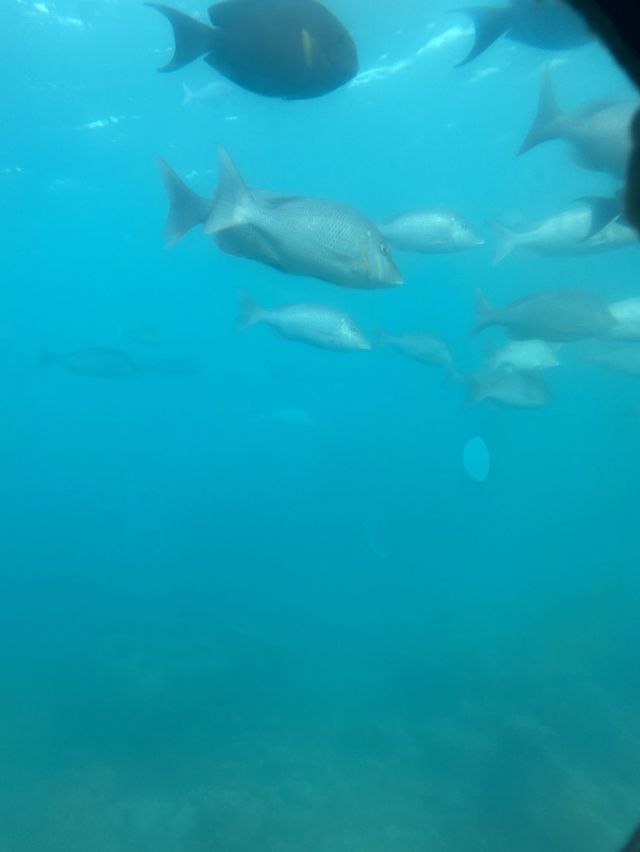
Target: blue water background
219, 631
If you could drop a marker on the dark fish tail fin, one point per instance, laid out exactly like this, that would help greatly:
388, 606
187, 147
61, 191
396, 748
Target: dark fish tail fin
489, 23
186, 208
546, 124
506, 242
603, 211
232, 201
485, 313
192, 38
249, 311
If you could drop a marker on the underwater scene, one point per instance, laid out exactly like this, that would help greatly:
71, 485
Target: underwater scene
319, 447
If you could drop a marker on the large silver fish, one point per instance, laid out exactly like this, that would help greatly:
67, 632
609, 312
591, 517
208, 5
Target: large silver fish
524, 355
516, 389
430, 231
553, 315
322, 326
599, 134
304, 236
589, 226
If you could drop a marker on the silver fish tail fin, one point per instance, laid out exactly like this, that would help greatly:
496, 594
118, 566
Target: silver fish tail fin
249, 311
232, 202
186, 208
485, 313
547, 123
506, 242
489, 23
192, 38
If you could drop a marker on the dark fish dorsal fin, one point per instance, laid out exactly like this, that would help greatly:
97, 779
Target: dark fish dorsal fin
489, 23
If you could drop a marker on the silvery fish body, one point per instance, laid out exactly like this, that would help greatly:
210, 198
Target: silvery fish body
524, 355
556, 316
429, 231
600, 133
322, 326
578, 230
420, 346
517, 389
303, 236
626, 314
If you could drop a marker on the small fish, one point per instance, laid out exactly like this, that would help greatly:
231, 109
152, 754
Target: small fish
430, 231
600, 133
516, 389
302, 236
556, 316
626, 314
524, 355
548, 25
422, 346
321, 326
101, 362
625, 359
592, 225
279, 48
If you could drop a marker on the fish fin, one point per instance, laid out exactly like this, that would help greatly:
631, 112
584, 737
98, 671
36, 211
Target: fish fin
489, 23
603, 211
192, 38
545, 123
186, 208
188, 95
485, 313
506, 242
233, 200
249, 311
47, 359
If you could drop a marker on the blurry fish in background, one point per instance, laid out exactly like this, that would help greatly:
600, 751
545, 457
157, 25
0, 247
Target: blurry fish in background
515, 389
99, 362
524, 355
430, 231
476, 459
625, 359
556, 316
289, 417
279, 48
421, 346
211, 92
599, 133
626, 314
322, 326
297, 235
548, 25
589, 226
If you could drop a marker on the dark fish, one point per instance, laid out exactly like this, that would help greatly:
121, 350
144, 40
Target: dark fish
280, 48
556, 316
599, 134
549, 25
101, 362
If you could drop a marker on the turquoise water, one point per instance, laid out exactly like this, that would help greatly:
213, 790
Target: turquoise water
227, 628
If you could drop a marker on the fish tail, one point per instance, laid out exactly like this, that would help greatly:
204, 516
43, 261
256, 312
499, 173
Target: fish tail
192, 38
188, 95
232, 202
249, 311
489, 23
485, 313
506, 242
47, 359
186, 208
547, 122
